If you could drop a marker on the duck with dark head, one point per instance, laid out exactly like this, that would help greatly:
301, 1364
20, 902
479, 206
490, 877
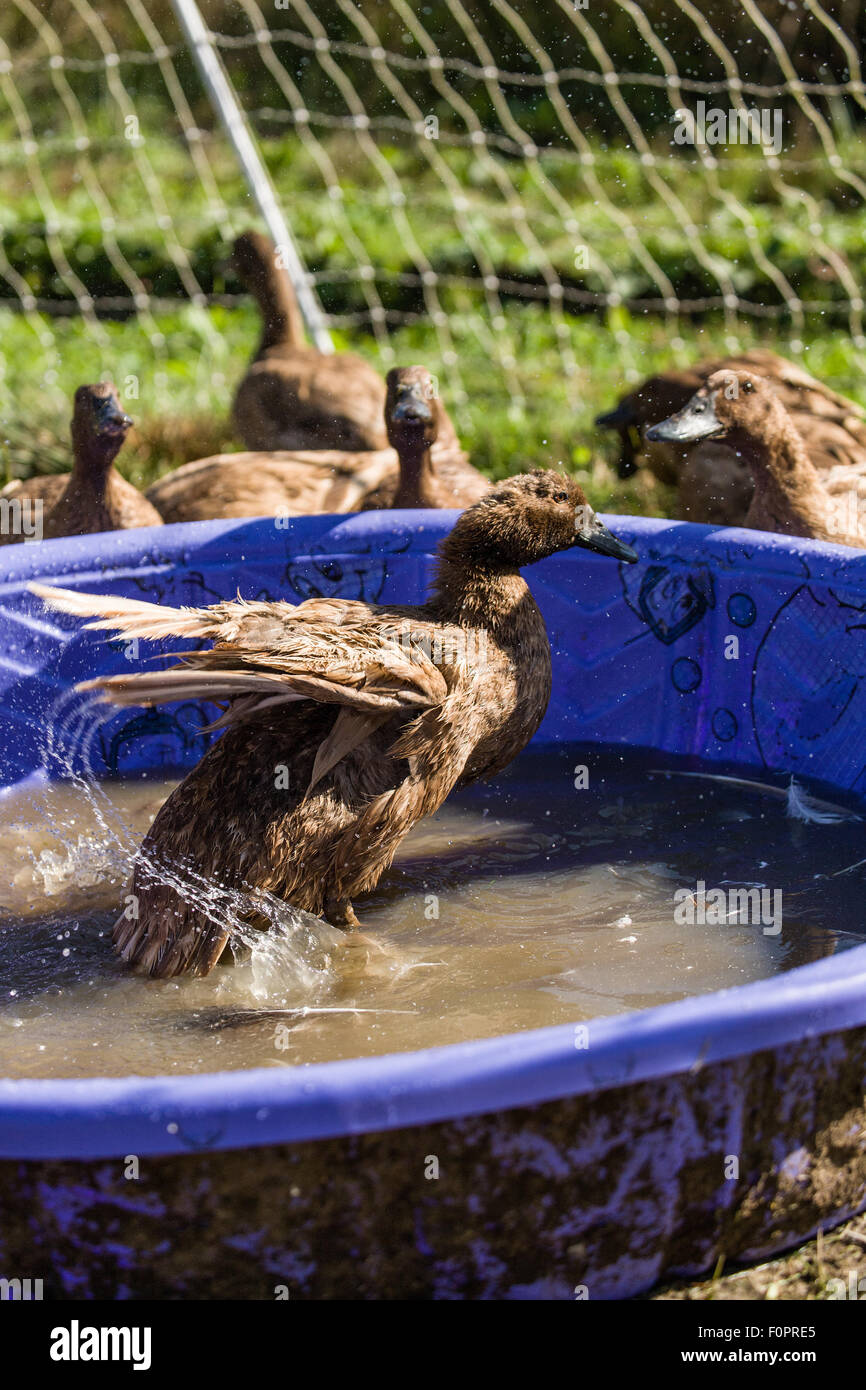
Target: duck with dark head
377, 712
790, 496
94, 496
432, 469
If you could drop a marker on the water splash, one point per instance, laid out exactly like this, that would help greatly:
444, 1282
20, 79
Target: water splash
86, 863
288, 953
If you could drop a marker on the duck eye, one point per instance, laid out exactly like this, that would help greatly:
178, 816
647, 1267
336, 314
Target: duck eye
748, 386
560, 497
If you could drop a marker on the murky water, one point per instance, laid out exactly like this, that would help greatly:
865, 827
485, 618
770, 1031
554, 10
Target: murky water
524, 903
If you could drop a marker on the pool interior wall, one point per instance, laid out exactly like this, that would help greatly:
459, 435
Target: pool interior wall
643, 656
730, 646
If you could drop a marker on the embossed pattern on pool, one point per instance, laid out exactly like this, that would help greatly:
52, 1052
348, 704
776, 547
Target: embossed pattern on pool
532, 901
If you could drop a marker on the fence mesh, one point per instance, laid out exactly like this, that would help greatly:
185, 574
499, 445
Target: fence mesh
478, 183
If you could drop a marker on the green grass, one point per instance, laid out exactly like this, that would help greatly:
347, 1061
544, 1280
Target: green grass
177, 374
184, 387
562, 206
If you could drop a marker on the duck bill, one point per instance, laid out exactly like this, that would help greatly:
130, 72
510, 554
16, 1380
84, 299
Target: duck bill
697, 420
411, 410
604, 542
113, 420
619, 418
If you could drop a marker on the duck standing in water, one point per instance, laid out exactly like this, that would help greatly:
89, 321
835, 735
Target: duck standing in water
374, 713
425, 467
94, 496
293, 396
790, 496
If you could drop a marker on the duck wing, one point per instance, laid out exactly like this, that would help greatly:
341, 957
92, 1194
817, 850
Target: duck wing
831, 445
286, 483
370, 661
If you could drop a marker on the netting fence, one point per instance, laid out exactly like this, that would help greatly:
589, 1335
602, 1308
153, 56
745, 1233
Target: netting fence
514, 194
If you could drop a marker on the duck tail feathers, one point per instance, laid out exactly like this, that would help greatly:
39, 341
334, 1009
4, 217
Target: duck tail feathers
191, 683
133, 617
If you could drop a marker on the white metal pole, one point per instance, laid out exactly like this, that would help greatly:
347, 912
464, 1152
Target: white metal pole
257, 177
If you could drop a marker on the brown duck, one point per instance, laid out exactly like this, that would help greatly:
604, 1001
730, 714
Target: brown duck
790, 496
432, 470
713, 484
293, 396
94, 496
375, 712
425, 467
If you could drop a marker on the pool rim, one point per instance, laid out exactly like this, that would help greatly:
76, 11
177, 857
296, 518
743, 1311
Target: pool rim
108, 1117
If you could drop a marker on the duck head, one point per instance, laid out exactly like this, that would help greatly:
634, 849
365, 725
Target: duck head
413, 412
527, 518
252, 256
657, 398
740, 406
99, 424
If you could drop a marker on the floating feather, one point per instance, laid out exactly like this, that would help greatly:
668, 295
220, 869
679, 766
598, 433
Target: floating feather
799, 804
805, 807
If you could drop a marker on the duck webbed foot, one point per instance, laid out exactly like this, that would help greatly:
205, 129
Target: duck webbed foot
340, 913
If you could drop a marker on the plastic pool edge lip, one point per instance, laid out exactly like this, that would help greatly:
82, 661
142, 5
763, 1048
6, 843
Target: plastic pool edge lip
109, 1117
149, 547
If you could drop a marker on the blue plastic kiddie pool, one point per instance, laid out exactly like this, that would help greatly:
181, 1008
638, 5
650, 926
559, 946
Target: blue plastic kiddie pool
564, 1171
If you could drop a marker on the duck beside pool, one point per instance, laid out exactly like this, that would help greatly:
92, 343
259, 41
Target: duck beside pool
790, 496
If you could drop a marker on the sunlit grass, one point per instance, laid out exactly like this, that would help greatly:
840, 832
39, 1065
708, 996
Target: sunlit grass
512, 387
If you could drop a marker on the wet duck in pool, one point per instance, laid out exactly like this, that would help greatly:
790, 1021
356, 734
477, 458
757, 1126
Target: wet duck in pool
375, 712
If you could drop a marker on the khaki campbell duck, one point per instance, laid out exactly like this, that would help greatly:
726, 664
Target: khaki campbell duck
94, 496
293, 396
426, 467
432, 471
713, 484
790, 495
376, 713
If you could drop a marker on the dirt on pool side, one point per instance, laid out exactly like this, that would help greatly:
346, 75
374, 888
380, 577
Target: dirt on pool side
597, 1196
829, 1267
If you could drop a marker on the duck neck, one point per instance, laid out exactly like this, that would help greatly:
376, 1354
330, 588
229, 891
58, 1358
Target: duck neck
281, 317
789, 496
88, 489
91, 470
491, 597
416, 487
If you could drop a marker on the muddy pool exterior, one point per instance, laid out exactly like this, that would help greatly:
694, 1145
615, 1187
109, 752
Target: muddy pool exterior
568, 1162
